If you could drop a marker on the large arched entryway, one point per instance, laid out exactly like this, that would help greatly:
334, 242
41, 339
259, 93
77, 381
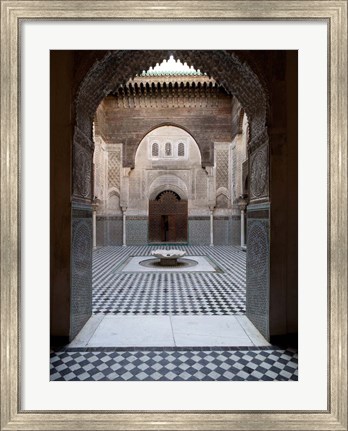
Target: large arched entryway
241, 78
238, 78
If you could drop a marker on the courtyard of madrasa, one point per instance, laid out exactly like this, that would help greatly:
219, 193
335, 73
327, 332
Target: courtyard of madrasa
168, 324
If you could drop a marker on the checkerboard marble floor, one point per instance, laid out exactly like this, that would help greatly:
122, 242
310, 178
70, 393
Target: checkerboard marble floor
156, 293
196, 364
221, 293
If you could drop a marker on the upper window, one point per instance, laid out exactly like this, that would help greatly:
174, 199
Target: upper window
181, 149
155, 150
168, 149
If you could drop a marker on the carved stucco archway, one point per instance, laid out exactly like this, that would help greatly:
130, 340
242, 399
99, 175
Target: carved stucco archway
238, 79
165, 182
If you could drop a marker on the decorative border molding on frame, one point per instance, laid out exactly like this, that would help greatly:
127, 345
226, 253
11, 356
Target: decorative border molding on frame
335, 13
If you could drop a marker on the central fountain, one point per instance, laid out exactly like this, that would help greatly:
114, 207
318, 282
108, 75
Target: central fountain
168, 257
168, 260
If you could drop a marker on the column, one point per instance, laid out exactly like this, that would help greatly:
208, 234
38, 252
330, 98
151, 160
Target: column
211, 200
94, 224
242, 227
124, 239
124, 201
211, 228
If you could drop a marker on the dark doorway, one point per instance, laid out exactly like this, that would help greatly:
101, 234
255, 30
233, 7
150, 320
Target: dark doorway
168, 228
168, 218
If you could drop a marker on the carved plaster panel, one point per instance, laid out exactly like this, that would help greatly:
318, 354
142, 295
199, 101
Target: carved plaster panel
221, 168
201, 185
114, 168
82, 172
259, 173
257, 140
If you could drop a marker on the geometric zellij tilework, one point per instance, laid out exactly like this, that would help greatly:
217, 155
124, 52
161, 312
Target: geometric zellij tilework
154, 293
194, 364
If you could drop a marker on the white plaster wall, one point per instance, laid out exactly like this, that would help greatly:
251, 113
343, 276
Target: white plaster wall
152, 175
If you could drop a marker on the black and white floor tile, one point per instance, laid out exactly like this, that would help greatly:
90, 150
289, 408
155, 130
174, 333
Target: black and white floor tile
156, 293
189, 364
183, 293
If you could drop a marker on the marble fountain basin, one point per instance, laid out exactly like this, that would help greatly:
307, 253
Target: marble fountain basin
168, 257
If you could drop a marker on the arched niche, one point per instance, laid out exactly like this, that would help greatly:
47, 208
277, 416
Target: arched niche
168, 182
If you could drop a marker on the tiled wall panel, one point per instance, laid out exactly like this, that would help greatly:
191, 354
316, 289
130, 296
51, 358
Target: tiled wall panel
258, 270
136, 231
81, 283
221, 231
226, 231
114, 231
199, 231
234, 231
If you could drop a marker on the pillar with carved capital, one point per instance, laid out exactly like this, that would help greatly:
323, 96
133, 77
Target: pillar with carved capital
242, 227
211, 199
211, 226
124, 201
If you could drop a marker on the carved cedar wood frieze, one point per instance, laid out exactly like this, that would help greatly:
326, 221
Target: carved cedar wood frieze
115, 69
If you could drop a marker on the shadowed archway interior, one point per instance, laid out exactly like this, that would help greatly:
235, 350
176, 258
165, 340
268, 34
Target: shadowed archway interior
168, 218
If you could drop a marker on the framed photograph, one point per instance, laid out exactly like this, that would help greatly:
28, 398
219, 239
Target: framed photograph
173, 215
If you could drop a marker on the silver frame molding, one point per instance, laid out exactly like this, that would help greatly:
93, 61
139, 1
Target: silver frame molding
335, 14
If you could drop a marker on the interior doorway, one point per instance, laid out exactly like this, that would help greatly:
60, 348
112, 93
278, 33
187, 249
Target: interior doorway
168, 215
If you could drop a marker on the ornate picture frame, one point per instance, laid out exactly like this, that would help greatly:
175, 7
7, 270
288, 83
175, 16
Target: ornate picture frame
335, 14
